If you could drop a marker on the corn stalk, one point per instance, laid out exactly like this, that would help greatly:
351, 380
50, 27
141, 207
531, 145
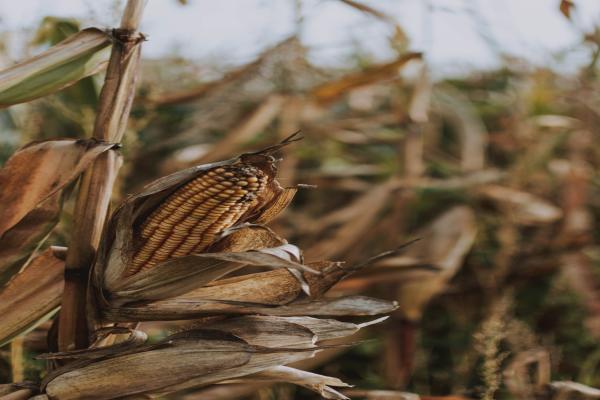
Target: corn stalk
97, 182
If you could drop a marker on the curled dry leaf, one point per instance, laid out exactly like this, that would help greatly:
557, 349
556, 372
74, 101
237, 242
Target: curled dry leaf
20, 242
31, 296
524, 207
75, 58
566, 6
37, 171
331, 91
36, 174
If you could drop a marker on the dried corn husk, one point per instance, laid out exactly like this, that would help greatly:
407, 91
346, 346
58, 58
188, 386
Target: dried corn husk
195, 285
218, 352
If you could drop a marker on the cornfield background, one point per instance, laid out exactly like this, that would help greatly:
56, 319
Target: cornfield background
493, 172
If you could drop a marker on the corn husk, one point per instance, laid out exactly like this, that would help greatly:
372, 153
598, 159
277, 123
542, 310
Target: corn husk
197, 285
218, 352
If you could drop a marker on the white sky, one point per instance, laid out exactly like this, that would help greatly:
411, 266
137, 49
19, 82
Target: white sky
234, 31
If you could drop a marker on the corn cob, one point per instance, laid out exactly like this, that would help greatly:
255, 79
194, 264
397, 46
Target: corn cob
191, 218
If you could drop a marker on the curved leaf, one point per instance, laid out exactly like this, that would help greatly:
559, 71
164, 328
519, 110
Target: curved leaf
77, 57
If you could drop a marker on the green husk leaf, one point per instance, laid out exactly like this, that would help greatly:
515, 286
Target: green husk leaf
77, 57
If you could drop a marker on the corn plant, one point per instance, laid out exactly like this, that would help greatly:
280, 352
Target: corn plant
193, 245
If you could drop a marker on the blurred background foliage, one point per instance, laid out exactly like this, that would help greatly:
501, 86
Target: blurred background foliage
495, 171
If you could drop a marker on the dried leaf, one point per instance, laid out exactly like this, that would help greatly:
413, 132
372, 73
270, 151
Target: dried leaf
566, 6
31, 296
524, 207
19, 243
75, 58
39, 170
331, 91
369, 10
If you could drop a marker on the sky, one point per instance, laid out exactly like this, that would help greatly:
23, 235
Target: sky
456, 35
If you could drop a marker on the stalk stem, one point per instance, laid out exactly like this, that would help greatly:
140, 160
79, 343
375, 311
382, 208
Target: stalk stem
96, 186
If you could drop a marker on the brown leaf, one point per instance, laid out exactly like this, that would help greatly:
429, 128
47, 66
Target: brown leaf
369, 10
331, 91
523, 207
18, 243
39, 170
566, 6
31, 295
